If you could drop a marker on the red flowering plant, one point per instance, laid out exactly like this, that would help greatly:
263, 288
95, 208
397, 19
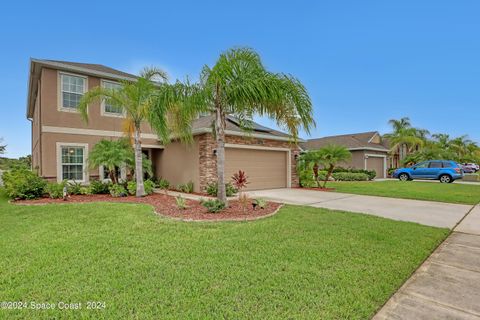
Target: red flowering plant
240, 181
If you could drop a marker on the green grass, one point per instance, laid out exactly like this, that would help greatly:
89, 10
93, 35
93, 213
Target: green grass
433, 191
301, 263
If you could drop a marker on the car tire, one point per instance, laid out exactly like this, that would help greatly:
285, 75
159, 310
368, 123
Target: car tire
445, 178
403, 177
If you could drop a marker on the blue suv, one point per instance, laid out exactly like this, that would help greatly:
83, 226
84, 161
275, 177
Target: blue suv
443, 170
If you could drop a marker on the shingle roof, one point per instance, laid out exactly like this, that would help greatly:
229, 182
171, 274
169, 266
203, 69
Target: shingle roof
351, 141
93, 67
205, 122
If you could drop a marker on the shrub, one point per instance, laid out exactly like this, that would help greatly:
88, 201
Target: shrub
22, 183
55, 190
181, 202
259, 202
99, 187
213, 205
117, 190
132, 187
85, 190
370, 173
185, 187
350, 176
163, 184
212, 189
240, 180
149, 186
74, 188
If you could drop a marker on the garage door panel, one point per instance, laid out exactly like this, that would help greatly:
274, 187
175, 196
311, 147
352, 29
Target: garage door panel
265, 168
377, 164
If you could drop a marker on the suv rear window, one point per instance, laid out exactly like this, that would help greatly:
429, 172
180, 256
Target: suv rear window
435, 164
447, 164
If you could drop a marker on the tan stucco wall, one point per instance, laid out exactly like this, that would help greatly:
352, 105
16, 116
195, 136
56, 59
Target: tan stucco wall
49, 150
51, 116
179, 163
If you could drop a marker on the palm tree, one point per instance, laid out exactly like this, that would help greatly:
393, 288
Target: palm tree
400, 124
330, 156
240, 86
112, 154
149, 98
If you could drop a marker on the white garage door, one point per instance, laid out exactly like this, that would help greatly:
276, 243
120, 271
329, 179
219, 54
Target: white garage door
265, 169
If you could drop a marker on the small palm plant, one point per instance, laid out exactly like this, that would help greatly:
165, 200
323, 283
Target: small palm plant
330, 156
111, 154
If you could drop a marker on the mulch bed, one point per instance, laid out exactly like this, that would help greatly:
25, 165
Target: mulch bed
166, 205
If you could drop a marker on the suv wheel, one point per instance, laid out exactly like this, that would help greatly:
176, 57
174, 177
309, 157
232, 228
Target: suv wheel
445, 178
403, 177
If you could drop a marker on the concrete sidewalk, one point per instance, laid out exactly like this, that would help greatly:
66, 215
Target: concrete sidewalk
429, 213
447, 285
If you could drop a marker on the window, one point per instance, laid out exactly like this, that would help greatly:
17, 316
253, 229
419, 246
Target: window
72, 90
447, 164
435, 164
109, 108
72, 163
105, 173
422, 165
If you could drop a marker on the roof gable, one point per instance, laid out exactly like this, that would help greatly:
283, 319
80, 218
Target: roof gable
357, 141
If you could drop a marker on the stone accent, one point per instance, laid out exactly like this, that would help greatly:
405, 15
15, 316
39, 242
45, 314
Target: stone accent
208, 167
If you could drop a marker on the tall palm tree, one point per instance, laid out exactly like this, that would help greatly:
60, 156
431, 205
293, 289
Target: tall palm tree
400, 124
239, 85
149, 98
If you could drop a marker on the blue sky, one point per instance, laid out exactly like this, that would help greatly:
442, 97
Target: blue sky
363, 62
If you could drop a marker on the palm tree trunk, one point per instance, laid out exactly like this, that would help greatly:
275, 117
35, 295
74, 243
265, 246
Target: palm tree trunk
220, 139
138, 163
329, 173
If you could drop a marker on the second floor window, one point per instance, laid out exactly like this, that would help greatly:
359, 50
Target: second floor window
108, 107
73, 88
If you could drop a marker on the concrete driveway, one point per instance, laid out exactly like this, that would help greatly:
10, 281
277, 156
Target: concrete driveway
429, 213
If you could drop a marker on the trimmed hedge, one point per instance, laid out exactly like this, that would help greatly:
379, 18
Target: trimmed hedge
371, 174
350, 176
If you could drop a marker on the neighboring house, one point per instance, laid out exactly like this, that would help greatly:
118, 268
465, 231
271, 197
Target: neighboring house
61, 140
369, 150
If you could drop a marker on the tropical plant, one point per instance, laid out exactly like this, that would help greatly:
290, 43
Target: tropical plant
212, 189
163, 184
181, 202
112, 154
117, 190
99, 187
149, 98
330, 156
185, 187
55, 190
22, 183
240, 180
213, 205
74, 188
239, 85
309, 165
260, 203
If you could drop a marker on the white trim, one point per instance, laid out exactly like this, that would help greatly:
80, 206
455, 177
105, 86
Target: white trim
369, 149
152, 146
123, 174
368, 155
102, 104
93, 132
289, 156
247, 135
375, 134
59, 146
60, 90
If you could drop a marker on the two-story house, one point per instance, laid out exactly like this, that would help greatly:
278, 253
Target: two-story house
61, 140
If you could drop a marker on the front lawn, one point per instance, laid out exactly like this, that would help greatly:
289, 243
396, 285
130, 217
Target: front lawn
433, 191
301, 263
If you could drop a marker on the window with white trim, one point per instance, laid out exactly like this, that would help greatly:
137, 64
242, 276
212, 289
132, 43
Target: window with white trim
108, 107
72, 163
73, 88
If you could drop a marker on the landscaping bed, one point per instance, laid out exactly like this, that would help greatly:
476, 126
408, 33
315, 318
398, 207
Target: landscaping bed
166, 205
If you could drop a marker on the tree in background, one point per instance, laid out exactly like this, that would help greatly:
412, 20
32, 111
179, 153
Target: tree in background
239, 85
2, 147
150, 98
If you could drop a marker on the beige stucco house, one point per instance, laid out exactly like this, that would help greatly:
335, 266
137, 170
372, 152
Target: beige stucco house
61, 140
369, 150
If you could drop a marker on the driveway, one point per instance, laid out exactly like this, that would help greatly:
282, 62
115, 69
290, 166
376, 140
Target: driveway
429, 213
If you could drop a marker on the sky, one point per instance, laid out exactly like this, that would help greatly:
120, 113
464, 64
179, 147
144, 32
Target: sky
362, 62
